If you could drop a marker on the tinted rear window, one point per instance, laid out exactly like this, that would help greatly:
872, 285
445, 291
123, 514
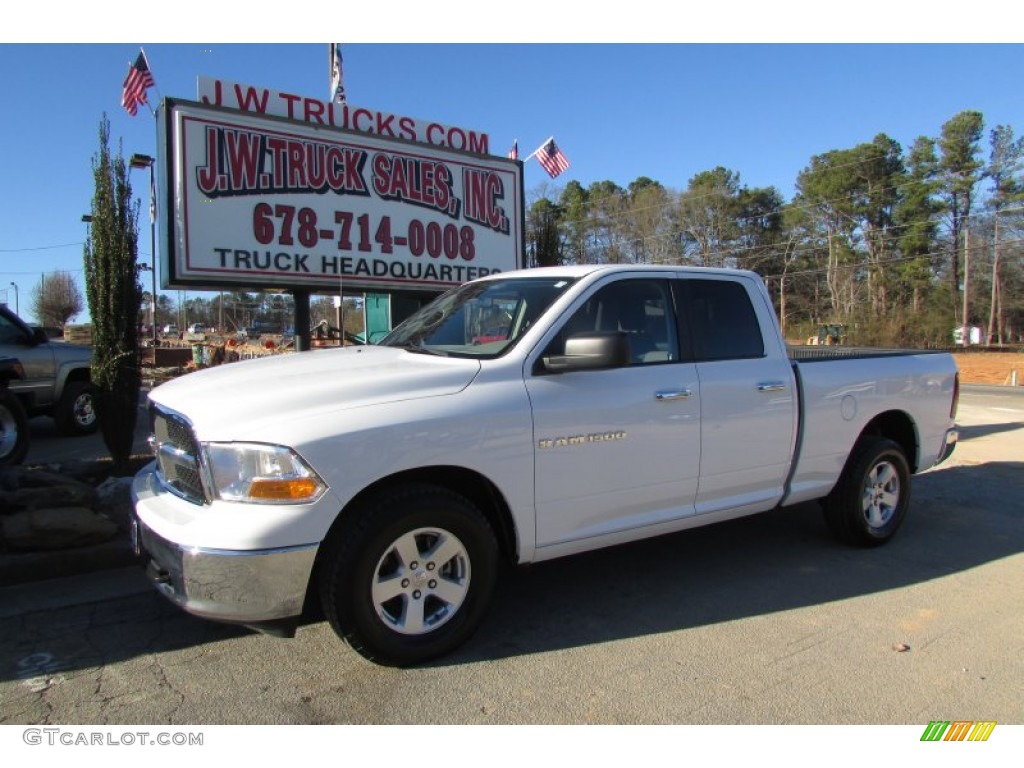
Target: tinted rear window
722, 321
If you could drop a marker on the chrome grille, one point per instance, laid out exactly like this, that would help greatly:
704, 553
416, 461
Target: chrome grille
177, 455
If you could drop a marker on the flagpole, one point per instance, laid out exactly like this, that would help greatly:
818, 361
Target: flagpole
155, 88
336, 84
330, 69
538, 149
146, 102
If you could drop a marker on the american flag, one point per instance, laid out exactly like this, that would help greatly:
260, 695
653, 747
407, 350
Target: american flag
513, 154
551, 158
135, 84
337, 74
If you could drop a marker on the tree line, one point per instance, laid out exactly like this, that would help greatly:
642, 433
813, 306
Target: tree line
900, 247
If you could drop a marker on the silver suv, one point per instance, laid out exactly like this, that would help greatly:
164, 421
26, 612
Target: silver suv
56, 381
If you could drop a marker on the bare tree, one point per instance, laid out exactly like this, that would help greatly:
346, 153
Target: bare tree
57, 300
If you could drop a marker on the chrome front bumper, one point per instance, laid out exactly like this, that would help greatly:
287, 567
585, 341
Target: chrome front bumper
245, 587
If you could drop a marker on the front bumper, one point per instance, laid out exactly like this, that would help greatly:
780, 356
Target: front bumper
245, 587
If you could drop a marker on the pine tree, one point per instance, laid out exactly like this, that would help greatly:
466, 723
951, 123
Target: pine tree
115, 297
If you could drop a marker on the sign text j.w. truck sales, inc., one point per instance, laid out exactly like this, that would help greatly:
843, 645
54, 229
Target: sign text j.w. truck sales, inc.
282, 203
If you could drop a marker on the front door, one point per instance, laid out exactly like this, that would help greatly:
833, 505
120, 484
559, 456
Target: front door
617, 449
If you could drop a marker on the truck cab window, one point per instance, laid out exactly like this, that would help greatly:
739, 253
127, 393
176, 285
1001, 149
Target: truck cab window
722, 320
641, 309
10, 333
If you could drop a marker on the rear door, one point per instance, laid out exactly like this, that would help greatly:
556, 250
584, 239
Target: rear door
748, 406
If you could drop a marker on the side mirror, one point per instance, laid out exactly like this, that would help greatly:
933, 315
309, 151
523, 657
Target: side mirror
591, 351
39, 337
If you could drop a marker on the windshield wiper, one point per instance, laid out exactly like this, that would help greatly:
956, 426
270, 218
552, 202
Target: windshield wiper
419, 349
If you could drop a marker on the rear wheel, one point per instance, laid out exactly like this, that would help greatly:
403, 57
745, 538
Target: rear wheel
870, 501
411, 577
76, 412
13, 428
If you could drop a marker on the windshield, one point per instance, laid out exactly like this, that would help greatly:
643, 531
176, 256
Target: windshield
480, 319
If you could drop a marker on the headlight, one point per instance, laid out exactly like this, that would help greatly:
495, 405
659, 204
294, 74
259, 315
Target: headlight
261, 474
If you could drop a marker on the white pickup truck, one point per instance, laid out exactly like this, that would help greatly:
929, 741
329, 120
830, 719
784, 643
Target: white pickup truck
521, 417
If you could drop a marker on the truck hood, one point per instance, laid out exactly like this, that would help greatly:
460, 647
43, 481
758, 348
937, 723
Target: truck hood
70, 353
240, 400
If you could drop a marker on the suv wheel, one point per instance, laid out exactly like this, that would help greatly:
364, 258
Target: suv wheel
13, 428
76, 412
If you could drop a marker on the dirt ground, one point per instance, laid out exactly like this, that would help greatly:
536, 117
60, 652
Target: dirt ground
990, 367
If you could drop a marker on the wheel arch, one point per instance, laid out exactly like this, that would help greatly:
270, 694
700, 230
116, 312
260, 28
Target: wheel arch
474, 486
79, 373
899, 427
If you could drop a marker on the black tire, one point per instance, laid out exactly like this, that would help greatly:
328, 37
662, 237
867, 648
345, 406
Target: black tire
870, 501
75, 414
14, 434
417, 547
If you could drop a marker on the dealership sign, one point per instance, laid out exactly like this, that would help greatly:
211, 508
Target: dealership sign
265, 201
268, 101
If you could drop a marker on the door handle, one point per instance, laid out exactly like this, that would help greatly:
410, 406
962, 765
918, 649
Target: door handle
679, 394
771, 386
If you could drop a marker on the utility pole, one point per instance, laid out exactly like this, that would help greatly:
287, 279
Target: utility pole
147, 161
967, 282
995, 282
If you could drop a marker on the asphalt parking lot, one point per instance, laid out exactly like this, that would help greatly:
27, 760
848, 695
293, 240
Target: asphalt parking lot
49, 446
759, 621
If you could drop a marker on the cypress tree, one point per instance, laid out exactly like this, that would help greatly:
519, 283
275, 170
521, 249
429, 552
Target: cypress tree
115, 297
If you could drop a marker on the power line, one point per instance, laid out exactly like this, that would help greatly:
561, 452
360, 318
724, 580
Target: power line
880, 262
40, 248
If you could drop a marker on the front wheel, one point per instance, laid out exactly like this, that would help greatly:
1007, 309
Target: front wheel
870, 501
410, 578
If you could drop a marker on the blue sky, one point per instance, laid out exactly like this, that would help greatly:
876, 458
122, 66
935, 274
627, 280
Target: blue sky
667, 110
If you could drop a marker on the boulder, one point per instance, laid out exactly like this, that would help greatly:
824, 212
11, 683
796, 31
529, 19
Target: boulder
42, 497
55, 528
114, 500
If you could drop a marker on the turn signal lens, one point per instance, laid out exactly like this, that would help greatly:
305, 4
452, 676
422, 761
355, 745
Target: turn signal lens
295, 490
